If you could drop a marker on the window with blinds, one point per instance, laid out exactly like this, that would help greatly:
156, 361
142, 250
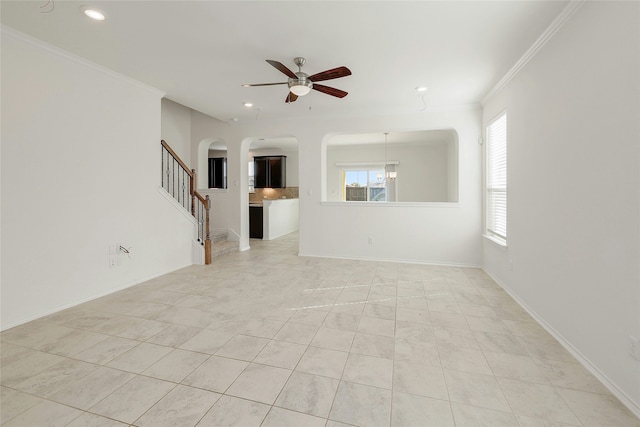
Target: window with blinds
497, 178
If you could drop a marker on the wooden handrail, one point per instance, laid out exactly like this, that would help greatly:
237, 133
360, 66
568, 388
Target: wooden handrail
178, 159
202, 199
206, 202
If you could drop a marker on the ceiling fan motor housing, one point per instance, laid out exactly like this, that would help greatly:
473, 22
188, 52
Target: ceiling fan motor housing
302, 85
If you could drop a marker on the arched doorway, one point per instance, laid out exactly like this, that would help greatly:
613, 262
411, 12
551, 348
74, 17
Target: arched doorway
275, 205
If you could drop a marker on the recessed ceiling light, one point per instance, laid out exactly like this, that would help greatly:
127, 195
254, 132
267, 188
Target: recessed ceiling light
421, 89
93, 13
247, 104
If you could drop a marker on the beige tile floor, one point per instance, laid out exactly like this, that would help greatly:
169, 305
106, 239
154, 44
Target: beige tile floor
267, 338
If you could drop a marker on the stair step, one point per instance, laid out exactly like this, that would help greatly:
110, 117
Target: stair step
221, 248
219, 236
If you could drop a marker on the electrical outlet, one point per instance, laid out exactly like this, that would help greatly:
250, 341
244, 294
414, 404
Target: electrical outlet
371, 240
113, 261
634, 348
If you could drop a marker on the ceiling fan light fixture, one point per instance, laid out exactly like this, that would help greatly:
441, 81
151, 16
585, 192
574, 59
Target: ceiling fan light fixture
300, 87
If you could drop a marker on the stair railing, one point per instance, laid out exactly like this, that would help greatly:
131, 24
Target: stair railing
176, 175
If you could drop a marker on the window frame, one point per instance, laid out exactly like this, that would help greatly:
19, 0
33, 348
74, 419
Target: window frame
368, 170
496, 209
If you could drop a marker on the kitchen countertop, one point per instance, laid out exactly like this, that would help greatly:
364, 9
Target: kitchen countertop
268, 202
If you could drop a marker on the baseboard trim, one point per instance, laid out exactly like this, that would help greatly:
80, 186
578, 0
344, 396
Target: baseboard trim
396, 260
584, 361
233, 235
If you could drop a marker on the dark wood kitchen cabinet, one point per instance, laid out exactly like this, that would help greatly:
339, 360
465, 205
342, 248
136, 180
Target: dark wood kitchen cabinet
255, 222
270, 171
218, 172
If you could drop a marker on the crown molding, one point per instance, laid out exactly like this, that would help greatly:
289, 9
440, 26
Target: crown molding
10, 32
547, 35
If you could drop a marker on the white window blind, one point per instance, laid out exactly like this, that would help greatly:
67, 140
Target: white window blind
497, 178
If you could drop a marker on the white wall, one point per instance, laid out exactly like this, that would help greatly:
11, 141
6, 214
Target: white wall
423, 175
224, 203
177, 126
447, 233
574, 189
176, 129
280, 217
80, 172
293, 168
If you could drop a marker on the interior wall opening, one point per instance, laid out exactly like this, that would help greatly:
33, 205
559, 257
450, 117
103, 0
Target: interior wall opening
404, 166
273, 187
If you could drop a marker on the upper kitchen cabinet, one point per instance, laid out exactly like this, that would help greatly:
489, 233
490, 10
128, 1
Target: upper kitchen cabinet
270, 171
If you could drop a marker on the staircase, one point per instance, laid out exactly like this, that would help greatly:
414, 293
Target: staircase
220, 245
180, 182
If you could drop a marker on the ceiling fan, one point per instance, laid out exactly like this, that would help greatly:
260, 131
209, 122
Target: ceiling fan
301, 83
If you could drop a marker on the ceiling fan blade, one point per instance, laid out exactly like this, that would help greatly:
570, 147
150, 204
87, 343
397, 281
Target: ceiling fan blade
334, 73
330, 90
282, 68
291, 97
263, 84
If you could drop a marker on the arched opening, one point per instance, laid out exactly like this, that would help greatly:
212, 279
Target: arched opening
217, 171
272, 186
207, 148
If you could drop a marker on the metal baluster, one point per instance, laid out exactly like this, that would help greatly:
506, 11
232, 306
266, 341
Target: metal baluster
167, 171
198, 217
207, 234
183, 180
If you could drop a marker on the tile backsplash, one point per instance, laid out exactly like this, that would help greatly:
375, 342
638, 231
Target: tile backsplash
274, 193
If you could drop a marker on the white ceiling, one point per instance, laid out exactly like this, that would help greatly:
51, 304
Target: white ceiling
200, 52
